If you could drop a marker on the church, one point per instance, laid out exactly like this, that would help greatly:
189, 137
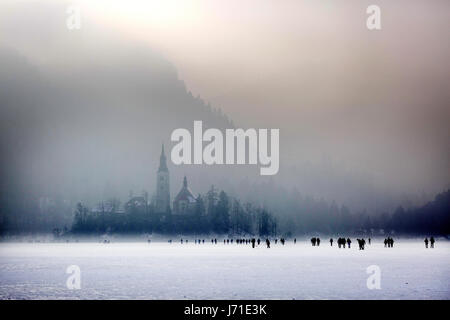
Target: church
184, 202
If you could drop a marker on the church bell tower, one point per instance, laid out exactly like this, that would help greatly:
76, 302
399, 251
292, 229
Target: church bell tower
162, 185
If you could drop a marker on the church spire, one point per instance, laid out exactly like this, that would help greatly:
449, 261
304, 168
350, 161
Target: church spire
162, 161
162, 201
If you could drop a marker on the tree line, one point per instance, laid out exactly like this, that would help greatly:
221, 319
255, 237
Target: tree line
282, 213
215, 212
304, 215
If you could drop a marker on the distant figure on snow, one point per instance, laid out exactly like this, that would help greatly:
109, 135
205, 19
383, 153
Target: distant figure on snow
318, 241
426, 242
432, 242
361, 243
268, 243
348, 242
331, 241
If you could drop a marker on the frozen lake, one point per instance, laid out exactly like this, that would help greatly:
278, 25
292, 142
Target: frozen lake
173, 271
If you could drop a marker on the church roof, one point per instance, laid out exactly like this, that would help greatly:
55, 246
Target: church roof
185, 193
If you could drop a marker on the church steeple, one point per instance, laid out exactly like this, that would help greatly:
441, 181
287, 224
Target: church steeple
162, 161
162, 185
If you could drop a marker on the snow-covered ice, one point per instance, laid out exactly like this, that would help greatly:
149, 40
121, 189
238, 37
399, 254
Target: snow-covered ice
133, 270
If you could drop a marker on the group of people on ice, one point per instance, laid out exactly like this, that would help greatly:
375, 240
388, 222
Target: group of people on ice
315, 241
251, 241
431, 242
361, 243
341, 242
389, 242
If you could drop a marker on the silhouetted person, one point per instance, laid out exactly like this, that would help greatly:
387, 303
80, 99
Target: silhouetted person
385, 242
432, 242
348, 242
318, 241
295, 240
259, 241
426, 242
313, 242
331, 241
369, 241
181, 241
268, 243
253, 243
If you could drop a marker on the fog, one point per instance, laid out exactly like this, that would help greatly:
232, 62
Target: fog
363, 115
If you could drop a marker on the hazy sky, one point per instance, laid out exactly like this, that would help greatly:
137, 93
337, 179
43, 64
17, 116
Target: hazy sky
373, 101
